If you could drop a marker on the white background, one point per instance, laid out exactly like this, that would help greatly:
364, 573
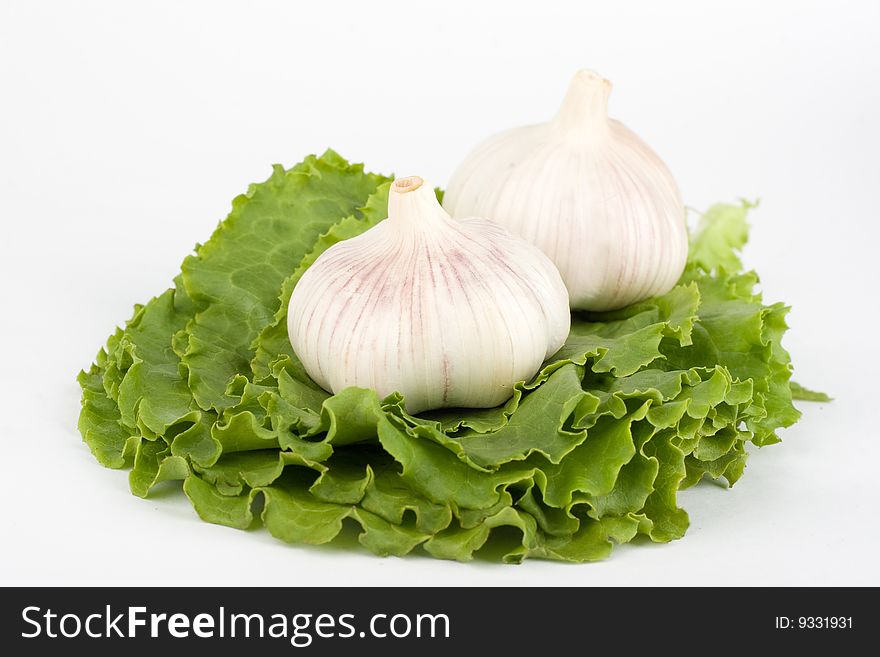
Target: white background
127, 128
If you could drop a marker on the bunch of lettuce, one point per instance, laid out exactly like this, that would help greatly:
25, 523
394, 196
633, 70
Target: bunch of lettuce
202, 386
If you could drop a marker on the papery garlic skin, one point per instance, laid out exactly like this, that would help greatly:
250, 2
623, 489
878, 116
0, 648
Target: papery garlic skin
448, 313
589, 193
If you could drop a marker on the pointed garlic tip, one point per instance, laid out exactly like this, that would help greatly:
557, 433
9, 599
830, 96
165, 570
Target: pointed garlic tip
406, 185
412, 202
585, 107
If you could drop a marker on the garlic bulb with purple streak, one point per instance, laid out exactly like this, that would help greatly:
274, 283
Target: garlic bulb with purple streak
589, 193
448, 313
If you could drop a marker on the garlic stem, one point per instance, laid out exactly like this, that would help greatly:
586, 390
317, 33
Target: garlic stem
413, 206
584, 110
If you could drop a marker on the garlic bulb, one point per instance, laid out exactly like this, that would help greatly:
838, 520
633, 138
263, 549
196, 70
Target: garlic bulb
589, 193
447, 313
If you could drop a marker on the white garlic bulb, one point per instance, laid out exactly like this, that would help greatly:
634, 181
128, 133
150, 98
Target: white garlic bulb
448, 313
589, 193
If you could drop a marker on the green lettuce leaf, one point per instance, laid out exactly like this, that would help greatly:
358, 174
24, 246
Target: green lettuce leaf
801, 393
721, 234
234, 278
202, 387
